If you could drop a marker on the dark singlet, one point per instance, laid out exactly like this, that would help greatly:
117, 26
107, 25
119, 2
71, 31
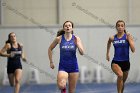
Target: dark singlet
14, 62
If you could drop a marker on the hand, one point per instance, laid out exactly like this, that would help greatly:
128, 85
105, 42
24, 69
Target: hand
12, 54
24, 59
107, 57
76, 41
127, 33
52, 65
129, 36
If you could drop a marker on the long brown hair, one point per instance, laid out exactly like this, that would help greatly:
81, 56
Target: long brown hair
61, 32
70, 22
9, 36
123, 23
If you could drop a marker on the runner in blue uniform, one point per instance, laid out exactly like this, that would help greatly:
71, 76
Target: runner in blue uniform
120, 63
68, 66
13, 51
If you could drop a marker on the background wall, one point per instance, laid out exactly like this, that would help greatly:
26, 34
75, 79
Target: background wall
85, 12
37, 40
36, 23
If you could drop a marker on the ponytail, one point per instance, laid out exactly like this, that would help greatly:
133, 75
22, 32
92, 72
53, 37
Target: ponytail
8, 41
61, 32
124, 31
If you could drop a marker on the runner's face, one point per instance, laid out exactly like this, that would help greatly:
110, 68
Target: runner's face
13, 37
68, 27
120, 27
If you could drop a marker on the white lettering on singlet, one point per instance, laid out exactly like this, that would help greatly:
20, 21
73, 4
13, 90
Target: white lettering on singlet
119, 41
16, 52
65, 47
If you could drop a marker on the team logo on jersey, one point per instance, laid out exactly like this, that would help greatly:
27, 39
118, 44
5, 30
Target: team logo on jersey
67, 47
119, 41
